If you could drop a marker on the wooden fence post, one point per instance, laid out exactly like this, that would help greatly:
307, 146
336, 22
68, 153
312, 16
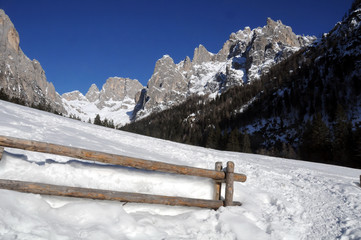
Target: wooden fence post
229, 184
1, 152
217, 184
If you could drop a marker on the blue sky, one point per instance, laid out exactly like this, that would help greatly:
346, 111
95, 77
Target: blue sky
80, 42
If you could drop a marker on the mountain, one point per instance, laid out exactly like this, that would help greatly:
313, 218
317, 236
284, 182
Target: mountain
115, 101
306, 106
22, 79
244, 57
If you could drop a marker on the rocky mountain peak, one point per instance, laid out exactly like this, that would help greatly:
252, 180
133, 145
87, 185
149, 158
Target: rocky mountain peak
167, 82
165, 61
281, 32
271, 44
93, 93
9, 35
117, 89
187, 64
74, 96
271, 23
201, 55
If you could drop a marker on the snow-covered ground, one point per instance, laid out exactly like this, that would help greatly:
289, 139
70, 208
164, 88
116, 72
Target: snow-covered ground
282, 199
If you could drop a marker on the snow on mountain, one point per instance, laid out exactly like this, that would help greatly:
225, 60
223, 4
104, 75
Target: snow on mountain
118, 111
244, 57
282, 199
115, 101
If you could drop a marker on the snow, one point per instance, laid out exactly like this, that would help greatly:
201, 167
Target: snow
205, 74
282, 199
118, 111
245, 106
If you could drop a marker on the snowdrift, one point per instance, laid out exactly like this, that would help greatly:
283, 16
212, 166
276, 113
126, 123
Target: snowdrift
282, 199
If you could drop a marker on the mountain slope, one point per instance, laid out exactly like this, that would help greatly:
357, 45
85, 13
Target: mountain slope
315, 90
282, 199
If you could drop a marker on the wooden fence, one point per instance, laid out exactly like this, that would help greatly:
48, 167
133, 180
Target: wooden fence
219, 176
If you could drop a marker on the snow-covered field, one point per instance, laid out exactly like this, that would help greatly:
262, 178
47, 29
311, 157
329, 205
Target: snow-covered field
282, 199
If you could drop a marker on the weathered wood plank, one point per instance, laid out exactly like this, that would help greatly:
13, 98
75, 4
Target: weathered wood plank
113, 159
238, 177
48, 189
217, 184
229, 184
1, 152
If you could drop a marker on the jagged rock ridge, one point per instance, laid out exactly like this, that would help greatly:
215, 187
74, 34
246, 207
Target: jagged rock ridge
244, 57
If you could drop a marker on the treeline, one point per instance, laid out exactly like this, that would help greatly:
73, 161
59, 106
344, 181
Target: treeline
337, 144
42, 105
97, 121
105, 122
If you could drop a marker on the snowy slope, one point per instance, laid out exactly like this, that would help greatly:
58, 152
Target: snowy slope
282, 199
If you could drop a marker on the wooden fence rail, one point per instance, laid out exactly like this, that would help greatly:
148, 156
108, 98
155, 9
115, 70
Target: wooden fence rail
56, 190
227, 175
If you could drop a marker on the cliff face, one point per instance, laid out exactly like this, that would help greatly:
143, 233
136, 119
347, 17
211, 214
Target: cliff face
19, 76
167, 84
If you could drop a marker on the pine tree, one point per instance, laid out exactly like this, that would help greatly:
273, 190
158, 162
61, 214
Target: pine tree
320, 134
233, 142
97, 120
105, 122
245, 143
111, 124
316, 142
341, 135
213, 138
356, 148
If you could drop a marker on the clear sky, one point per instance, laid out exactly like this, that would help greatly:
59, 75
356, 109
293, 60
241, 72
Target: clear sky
80, 42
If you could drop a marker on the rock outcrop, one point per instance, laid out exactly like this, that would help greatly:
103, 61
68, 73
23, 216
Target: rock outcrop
93, 93
201, 55
167, 84
117, 89
141, 101
19, 76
